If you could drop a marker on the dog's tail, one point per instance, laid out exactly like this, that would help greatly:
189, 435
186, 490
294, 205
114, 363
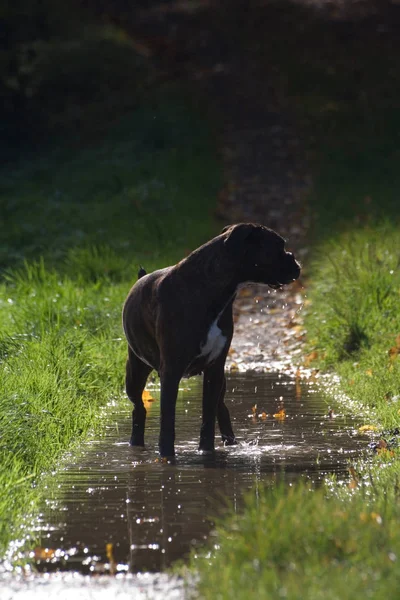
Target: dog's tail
141, 272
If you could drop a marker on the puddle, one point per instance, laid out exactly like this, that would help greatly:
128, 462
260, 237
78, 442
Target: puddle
154, 513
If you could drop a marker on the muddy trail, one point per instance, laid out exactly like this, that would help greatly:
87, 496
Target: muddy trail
113, 509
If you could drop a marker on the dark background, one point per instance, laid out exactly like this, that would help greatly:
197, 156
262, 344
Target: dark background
79, 64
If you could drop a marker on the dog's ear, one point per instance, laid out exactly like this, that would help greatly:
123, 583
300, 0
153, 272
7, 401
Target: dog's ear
238, 236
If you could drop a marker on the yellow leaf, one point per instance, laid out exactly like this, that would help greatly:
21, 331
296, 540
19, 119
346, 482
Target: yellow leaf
310, 358
281, 415
109, 551
111, 559
369, 372
147, 397
44, 553
367, 428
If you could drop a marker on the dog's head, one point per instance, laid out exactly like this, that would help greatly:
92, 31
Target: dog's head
262, 254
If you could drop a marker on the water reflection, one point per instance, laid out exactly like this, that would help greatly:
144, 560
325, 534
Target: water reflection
154, 513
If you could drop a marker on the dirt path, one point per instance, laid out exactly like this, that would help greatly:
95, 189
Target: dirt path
266, 182
265, 173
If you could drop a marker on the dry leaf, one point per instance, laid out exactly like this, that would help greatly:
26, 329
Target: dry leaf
44, 553
364, 428
147, 397
310, 358
111, 560
281, 415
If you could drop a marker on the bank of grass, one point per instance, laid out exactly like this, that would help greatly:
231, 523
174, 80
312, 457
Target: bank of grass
340, 541
76, 224
293, 543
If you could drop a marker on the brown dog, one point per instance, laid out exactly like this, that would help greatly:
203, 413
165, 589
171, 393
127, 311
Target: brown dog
178, 321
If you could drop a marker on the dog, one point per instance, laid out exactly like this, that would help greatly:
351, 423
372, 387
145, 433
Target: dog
178, 321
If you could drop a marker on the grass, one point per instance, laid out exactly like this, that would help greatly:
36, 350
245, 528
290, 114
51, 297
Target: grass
76, 224
333, 551
338, 542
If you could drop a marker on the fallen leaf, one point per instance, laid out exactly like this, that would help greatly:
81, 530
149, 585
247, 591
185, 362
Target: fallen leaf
44, 553
368, 372
394, 352
147, 397
281, 415
364, 428
110, 557
310, 358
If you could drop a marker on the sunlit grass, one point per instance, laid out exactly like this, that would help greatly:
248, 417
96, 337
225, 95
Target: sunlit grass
295, 543
77, 223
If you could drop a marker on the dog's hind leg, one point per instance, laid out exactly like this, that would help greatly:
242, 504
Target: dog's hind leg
136, 376
224, 419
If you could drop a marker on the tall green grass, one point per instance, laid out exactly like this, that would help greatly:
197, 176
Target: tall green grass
295, 543
77, 223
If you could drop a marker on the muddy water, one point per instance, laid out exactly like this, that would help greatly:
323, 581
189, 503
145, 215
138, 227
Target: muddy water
154, 513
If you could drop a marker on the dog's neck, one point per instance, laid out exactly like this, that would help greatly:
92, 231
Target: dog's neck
217, 275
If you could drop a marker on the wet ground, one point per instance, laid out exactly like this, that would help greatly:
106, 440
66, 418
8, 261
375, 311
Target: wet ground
154, 513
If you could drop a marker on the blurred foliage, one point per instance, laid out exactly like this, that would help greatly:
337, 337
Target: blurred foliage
61, 64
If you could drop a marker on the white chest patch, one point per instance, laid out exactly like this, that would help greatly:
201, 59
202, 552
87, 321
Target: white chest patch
214, 344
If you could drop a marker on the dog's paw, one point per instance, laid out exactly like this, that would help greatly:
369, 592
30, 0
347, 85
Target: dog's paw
229, 440
206, 448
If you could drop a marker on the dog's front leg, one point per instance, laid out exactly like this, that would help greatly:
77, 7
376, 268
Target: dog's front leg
224, 419
213, 386
169, 392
